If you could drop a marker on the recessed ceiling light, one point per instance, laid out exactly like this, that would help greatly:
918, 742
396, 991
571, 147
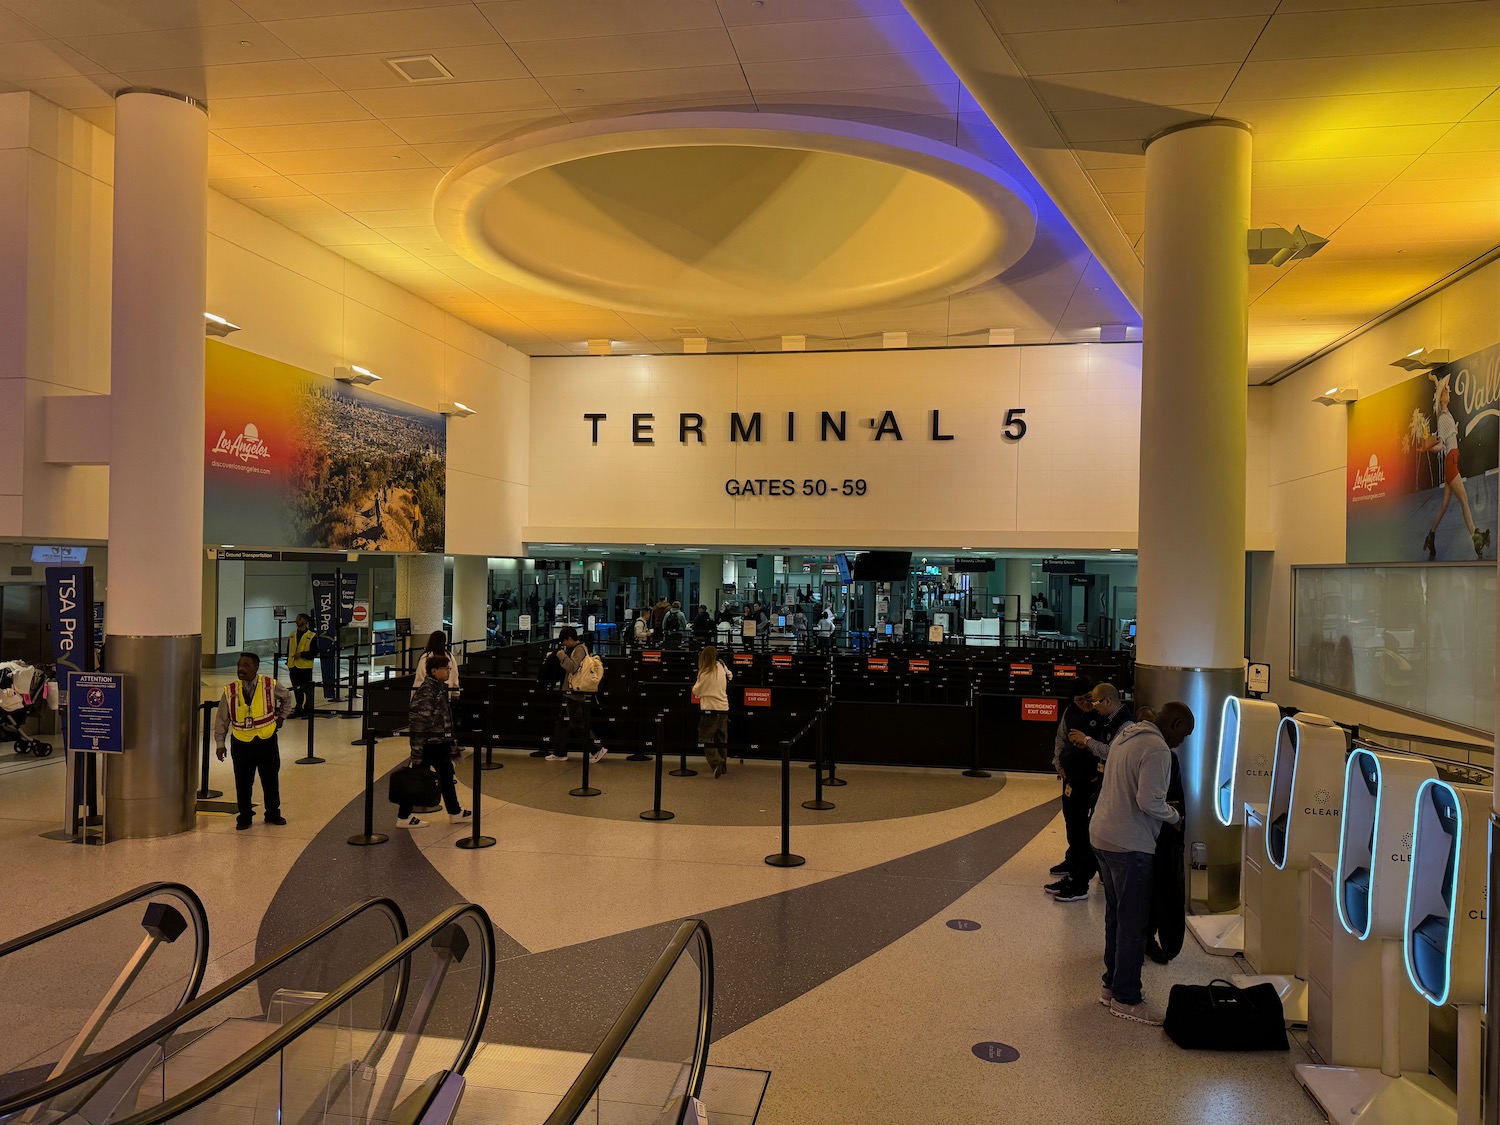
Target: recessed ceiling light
419, 68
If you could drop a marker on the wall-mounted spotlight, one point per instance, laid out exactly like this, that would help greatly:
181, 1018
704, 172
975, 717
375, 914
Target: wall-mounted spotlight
601, 347
354, 373
797, 343
1334, 396
215, 325
1422, 359
1276, 246
695, 345
893, 339
456, 410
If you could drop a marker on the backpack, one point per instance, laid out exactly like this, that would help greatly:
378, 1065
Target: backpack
676, 623
589, 676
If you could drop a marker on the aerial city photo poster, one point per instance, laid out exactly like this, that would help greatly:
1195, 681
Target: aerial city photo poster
293, 459
1421, 466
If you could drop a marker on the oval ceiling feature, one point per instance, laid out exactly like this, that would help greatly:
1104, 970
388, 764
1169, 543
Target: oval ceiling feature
734, 214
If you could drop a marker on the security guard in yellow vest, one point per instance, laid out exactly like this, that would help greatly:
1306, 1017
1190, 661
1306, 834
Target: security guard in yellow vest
302, 650
252, 709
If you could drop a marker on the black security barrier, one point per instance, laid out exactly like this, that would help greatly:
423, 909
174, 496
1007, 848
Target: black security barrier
385, 713
656, 812
204, 792
786, 857
817, 804
369, 835
975, 770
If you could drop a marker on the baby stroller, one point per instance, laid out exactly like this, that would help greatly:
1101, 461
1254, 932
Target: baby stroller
23, 692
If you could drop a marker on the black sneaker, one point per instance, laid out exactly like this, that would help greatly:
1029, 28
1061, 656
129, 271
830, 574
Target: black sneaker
277, 819
1058, 887
1073, 892
1058, 868
1156, 953
241, 825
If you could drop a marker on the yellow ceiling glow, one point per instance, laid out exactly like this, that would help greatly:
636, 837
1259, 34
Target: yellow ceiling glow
733, 214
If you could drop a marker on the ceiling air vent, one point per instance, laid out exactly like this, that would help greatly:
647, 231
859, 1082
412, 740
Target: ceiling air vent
420, 68
688, 331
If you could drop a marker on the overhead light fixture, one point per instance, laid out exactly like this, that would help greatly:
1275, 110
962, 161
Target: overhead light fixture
419, 68
1002, 336
1276, 246
1422, 359
354, 373
1112, 333
794, 343
1333, 396
893, 339
695, 345
217, 326
601, 347
457, 410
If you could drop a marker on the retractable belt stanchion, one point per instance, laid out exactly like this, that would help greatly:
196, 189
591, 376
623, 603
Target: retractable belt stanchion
974, 770
474, 839
817, 804
311, 759
785, 857
656, 812
353, 680
490, 737
369, 835
204, 792
360, 741
682, 768
585, 790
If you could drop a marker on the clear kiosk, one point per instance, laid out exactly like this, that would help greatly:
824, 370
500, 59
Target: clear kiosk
1372, 1036
1302, 817
1242, 776
1446, 922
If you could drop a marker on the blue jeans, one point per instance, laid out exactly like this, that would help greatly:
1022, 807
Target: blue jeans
1127, 905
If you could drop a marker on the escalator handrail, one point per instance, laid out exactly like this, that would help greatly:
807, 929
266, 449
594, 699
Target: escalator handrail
180, 891
314, 1015
108, 1060
586, 1085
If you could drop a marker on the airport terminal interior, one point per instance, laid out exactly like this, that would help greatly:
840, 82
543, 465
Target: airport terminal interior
763, 562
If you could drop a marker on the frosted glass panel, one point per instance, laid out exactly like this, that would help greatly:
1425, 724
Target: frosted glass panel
1421, 638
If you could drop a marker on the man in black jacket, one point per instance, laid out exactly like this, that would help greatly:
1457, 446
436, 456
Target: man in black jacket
1083, 767
1077, 770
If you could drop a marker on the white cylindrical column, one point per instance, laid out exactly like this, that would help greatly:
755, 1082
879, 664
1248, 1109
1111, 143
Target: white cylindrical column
1190, 632
156, 455
471, 600
419, 593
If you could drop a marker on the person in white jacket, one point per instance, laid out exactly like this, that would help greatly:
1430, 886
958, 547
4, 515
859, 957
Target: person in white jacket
437, 645
712, 689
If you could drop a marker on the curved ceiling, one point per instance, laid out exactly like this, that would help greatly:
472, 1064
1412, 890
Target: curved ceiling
725, 214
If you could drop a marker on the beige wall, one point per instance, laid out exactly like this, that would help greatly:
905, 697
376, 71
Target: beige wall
1306, 472
296, 302
1070, 483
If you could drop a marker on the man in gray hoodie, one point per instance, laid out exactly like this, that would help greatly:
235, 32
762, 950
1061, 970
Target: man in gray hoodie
1132, 808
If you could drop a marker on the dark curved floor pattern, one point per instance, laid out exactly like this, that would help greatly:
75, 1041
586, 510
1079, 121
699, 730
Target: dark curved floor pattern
768, 951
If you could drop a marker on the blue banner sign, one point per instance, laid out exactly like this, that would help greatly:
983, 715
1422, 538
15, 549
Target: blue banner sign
70, 610
96, 712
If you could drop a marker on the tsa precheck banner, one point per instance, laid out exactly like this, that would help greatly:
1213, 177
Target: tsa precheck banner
1422, 466
293, 459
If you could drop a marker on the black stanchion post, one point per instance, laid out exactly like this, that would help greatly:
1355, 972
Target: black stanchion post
682, 768
656, 812
311, 758
369, 835
353, 673
585, 790
785, 857
206, 720
833, 780
360, 741
490, 736
974, 770
474, 839
817, 804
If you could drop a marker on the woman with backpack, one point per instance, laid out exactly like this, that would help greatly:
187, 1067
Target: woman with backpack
711, 689
581, 676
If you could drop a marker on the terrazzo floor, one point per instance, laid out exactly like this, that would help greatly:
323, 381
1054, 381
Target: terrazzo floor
839, 977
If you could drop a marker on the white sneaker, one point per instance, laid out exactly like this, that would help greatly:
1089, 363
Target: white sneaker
598, 755
1140, 1013
411, 822
555, 758
463, 816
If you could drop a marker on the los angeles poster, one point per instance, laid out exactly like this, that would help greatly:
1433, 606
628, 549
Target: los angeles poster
293, 459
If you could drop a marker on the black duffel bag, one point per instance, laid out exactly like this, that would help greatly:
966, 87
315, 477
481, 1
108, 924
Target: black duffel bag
415, 785
1220, 1017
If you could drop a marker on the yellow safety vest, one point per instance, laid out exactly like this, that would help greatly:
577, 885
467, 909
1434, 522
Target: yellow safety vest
301, 654
257, 719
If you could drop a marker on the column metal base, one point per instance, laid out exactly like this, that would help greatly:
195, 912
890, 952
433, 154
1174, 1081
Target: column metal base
469, 843
786, 859
1204, 691
151, 789
1222, 935
1364, 1096
1292, 990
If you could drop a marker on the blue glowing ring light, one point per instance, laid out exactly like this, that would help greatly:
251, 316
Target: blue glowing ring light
1247, 727
1446, 893
1307, 791
1375, 837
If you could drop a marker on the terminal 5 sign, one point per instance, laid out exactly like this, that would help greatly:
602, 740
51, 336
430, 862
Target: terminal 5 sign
752, 428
